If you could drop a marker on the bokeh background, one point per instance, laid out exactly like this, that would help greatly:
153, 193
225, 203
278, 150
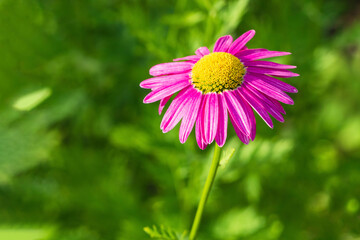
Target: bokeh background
82, 158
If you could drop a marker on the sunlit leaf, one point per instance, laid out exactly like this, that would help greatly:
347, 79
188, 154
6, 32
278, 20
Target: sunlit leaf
162, 233
31, 100
228, 151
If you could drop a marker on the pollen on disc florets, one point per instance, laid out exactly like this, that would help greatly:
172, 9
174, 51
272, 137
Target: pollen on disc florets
217, 72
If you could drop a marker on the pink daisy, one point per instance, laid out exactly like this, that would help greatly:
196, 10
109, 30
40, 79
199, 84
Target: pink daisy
229, 82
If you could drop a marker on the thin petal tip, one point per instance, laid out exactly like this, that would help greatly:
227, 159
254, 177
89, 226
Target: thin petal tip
203, 147
146, 101
142, 85
252, 137
225, 36
182, 138
151, 71
164, 131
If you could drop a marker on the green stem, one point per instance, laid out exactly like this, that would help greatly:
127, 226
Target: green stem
205, 193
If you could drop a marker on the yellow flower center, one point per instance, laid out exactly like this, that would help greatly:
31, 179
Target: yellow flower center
217, 72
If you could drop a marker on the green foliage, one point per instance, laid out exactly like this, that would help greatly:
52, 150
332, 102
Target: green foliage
10, 233
82, 158
163, 233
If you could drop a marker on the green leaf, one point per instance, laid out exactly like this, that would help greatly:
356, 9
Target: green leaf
228, 151
31, 100
187, 19
164, 233
20, 232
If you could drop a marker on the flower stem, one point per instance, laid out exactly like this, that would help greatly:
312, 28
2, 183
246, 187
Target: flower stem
205, 193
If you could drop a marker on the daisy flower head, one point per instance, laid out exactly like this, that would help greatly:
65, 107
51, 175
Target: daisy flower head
211, 87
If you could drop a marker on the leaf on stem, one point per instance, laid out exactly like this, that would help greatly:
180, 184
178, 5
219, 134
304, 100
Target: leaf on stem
164, 233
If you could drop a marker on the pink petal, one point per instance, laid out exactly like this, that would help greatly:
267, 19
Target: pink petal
245, 139
210, 117
256, 105
246, 52
222, 124
189, 119
274, 72
276, 83
267, 64
199, 127
268, 89
202, 51
177, 109
170, 68
239, 43
264, 99
163, 103
262, 54
277, 105
165, 91
238, 112
163, 81
190, 58
249, 114
223, 44
268, 105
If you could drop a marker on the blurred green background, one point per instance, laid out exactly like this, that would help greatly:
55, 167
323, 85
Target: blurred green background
82, 158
